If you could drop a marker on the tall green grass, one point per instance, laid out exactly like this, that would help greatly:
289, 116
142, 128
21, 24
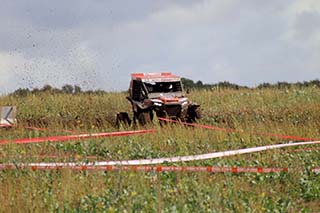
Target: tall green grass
292, 112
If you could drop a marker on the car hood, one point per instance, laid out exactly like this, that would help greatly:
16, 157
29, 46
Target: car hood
168, 98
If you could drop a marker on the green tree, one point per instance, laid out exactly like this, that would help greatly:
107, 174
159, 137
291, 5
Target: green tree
77, 89
68, 89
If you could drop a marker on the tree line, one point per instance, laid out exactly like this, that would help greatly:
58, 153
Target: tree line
66, 89
190, 84
187, 83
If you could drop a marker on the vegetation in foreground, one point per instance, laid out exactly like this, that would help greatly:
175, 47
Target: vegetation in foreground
289, 111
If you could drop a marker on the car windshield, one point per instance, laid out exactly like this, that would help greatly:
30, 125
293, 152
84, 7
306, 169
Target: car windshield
163, 87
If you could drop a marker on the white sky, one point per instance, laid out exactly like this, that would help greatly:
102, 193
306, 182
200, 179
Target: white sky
97, 44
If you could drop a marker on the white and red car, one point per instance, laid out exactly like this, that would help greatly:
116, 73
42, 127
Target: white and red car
161, 94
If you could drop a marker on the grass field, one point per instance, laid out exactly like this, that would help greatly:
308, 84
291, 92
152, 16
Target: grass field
287, 111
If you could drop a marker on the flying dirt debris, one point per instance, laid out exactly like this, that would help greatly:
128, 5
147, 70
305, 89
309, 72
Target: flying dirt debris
161, 94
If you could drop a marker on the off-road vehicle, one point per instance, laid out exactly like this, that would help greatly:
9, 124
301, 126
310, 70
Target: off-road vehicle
161, 94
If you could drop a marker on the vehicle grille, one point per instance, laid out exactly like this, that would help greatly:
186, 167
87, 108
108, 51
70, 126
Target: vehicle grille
173, 110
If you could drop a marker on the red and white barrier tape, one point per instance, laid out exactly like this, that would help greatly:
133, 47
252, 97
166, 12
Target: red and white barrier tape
125, 133
76, 156
6, 125
215, 169
75, 137
169, 159
237, 131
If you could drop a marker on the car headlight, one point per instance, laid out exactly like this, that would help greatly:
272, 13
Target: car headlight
157, 104
184, 103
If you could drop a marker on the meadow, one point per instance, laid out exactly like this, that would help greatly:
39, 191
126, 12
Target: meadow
293, 111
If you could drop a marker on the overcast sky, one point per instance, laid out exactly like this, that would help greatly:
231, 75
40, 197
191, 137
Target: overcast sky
97, 43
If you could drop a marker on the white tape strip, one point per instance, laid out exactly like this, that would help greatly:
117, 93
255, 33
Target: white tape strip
175, 159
